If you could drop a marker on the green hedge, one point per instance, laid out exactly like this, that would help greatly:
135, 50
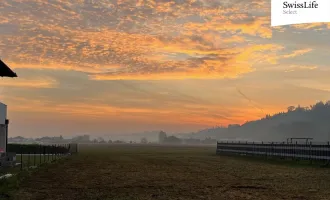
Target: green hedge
37, 149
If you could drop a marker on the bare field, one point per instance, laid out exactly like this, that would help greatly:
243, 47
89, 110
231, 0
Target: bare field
170, 172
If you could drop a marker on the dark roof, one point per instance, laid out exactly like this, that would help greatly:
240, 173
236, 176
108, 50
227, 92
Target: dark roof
6, 71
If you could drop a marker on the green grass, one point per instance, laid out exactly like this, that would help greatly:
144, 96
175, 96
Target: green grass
299, 163
27, 161
169, 172
9, 187
34, 159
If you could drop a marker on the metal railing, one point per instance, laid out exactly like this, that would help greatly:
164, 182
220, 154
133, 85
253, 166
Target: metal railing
306, 151
33, 155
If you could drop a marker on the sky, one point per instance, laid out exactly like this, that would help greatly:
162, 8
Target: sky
122, 66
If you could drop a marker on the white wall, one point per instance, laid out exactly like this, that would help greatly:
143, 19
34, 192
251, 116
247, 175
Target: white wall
3, 132
3, 113
3, 138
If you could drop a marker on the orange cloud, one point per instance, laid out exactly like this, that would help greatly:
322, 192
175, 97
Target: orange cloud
54, 66
297, 53
138, 44
318, 26
226, 64
300, 67
259, 26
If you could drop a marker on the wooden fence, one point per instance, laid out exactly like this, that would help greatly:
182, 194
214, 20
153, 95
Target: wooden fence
283, 150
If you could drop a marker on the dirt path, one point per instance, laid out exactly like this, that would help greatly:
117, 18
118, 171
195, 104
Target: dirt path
121, 172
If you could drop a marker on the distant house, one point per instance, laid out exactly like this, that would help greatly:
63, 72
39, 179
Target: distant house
5, 71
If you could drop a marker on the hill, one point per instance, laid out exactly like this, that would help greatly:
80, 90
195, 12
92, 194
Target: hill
297, 121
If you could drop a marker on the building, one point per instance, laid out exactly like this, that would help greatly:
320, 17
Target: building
5, 71
3, 127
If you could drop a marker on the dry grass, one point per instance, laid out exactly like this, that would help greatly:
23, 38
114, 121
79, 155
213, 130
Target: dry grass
159, 172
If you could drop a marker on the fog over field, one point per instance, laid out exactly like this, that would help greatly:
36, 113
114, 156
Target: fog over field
297, 121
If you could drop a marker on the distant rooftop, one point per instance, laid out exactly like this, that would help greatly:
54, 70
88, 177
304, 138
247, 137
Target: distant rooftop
5, 71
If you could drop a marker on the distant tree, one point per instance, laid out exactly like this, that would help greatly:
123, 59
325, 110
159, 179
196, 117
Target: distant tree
172, 140
327, 103
318, 106
291, 108
81, 139
296, 121
233, 125
119, 142
191, 141
300, 109
209, 140
101, 140
144, 140
110, 141
162, 137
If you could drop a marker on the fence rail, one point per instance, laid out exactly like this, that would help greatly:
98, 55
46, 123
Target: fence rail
306, 151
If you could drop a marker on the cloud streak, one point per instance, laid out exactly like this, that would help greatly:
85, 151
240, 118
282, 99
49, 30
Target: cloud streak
36, 83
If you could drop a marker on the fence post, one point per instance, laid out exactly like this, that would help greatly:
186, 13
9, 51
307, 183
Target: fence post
44, 153
283, 150
328, 152
216, 150
310, 153
21, 157
292, 153
324, 153
272, 150
262, 147
28, 165
295, 151
40, 151
306, 150
34, 158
